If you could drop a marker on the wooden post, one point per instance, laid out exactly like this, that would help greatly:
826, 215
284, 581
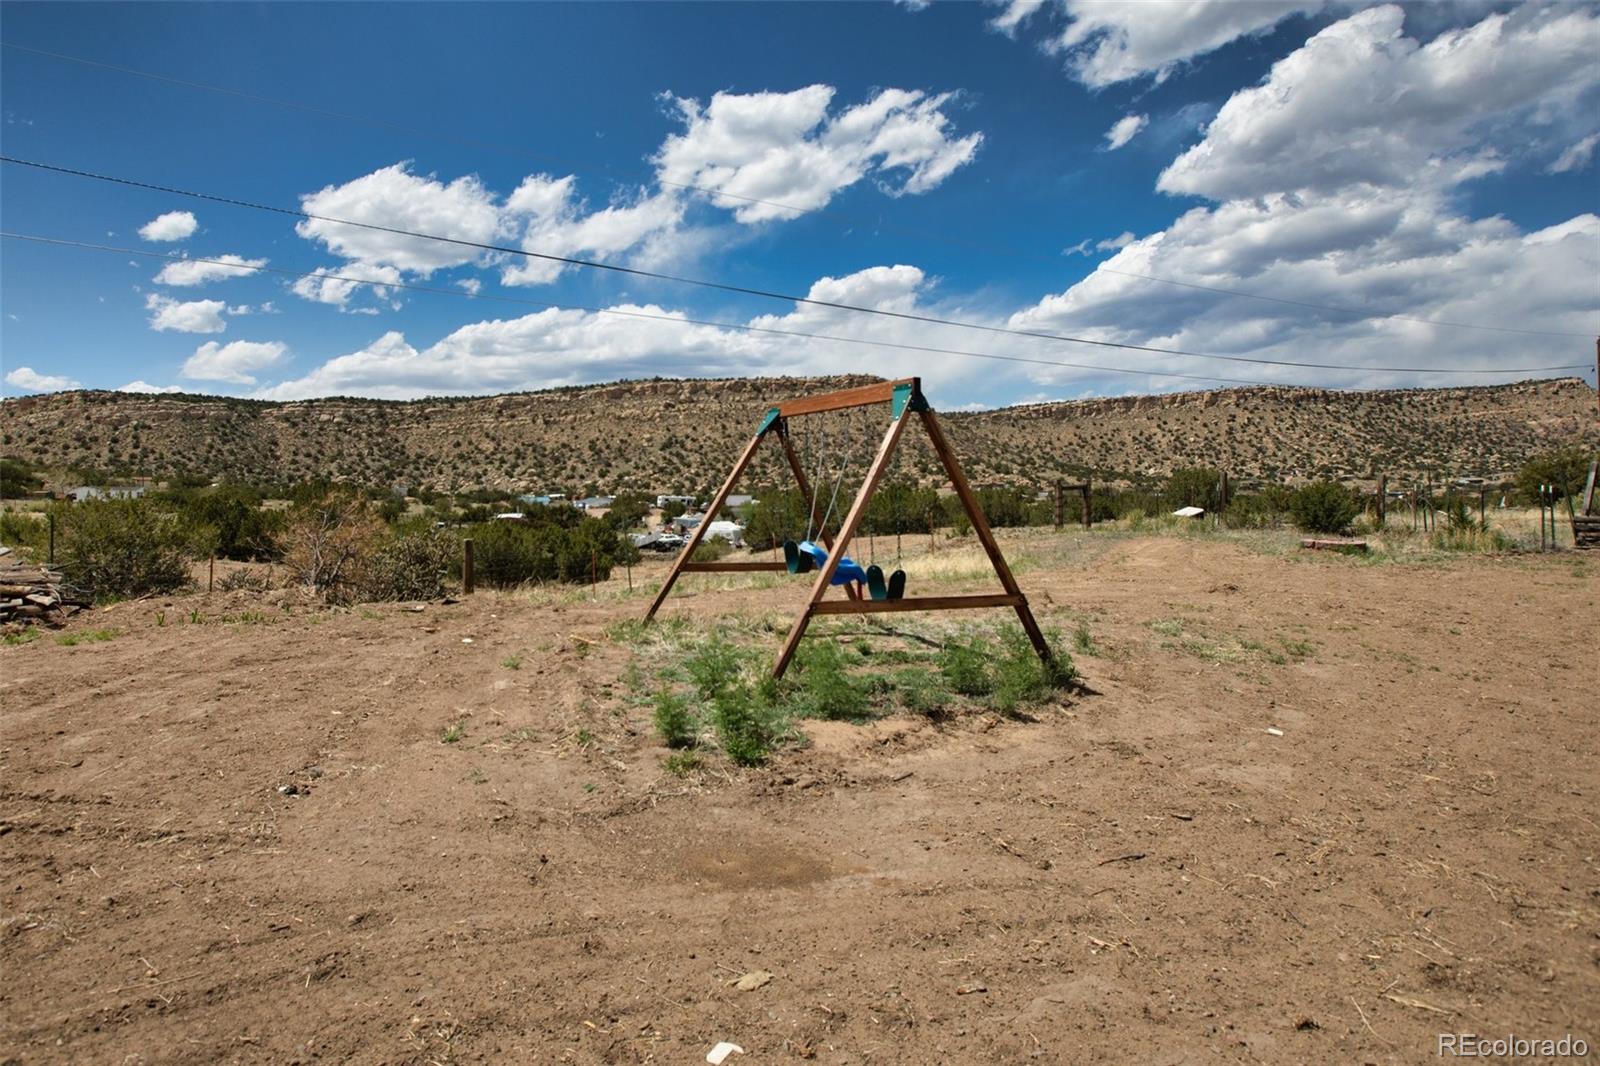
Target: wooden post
467, 576
700, 530
1383, 498
1483, 506
51, 558
594, 570
211, 573
1058, 503
1087, 513
980, 526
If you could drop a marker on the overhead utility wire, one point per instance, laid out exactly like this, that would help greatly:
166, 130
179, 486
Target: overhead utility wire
677, 320
674, 319
763, 293
798, 211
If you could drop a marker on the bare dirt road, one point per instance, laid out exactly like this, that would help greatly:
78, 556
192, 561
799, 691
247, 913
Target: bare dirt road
1140, 872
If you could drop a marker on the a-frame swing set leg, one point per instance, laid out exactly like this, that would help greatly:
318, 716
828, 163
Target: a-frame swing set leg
906, 397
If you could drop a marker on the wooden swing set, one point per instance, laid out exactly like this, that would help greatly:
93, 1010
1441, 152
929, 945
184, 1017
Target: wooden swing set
831, 565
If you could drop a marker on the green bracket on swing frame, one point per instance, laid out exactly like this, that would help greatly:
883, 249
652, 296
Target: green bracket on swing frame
767, 422
905, 395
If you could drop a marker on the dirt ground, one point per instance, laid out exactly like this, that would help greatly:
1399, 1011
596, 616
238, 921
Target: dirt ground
1142, 872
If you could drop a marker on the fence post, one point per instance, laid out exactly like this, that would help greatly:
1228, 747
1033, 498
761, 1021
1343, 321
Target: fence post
1058, 503
52, 556
1383, 498
211, 573
1087, 489
466, 566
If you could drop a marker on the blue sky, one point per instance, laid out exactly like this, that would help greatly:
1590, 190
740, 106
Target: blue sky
1027, 167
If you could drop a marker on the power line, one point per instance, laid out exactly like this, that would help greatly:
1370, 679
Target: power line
763, 293
676, 320
673, 319
798, 211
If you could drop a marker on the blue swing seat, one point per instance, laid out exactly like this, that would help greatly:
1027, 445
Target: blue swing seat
849, 570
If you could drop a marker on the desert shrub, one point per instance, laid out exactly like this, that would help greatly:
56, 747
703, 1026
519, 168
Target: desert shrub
1021, 676
826, 689
119, 548
507, 554
964, 662
748, 722
901, 507
234, 524
710, 550
1565, 468
18, 478
246, 579
1324, 507
412, 566
1259, 510
24, 529
920, 691
1193, 487
329, 544
714, 666
674, 720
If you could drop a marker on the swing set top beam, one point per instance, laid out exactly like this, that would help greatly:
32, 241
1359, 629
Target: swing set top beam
865, 396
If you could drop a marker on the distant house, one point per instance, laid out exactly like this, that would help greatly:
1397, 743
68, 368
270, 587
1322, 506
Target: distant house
738, 501
662, 501
594, 503
511, 516
685, 522
109, 492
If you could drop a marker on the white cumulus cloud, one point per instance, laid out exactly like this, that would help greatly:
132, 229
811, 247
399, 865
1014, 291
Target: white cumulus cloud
337, 290
788, 148
1106, 43
172, 226
187, 272
398, 199
1361, 102
30, 380
1126, 129
235, 362
194, 316
146, 388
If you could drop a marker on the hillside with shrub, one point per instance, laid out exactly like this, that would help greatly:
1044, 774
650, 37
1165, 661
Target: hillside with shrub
681, 435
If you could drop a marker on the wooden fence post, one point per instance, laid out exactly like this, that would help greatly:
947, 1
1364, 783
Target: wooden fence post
1383, 498
211, 574
466, 566
1058, 503
1087, 489
52, 556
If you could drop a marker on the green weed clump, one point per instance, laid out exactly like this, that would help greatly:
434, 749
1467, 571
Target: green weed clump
1022, 677
90, 636
714, 666
965, 666
748, 722
674, 719
826, 689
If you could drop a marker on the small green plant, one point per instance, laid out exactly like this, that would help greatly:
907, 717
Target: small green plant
747, 723
1022, 677
25, 636
920, 691
674, 720
477, 776
512, 662
1168, 627
1083, 640
90, 636
965, 666
161, 618
584, 738
681, 763
826, 689
453, 733
589, 786
714, 666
